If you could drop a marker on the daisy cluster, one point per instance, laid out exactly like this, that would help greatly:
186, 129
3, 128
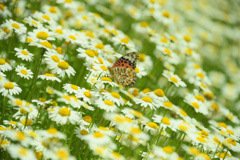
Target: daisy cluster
59, 101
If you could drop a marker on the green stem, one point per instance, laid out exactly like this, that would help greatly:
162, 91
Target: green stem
4, 109
181, 140
26, 121
225, 154
216, 150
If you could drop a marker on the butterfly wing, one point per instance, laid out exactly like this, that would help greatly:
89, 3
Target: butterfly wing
127, 61
124, 76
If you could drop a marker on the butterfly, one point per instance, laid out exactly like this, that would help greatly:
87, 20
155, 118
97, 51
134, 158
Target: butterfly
123, 69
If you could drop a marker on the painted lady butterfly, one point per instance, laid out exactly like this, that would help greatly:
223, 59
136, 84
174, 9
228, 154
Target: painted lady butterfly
123, 69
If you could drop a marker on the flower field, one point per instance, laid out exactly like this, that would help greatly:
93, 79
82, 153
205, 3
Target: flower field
119, 80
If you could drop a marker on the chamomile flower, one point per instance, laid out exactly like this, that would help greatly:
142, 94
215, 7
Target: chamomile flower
4, 143
59, 153
64, 115
86, 95
114, 96
4, 66
196, 104
23, 153
106, 105
24, 72
24, 54
174, 78
18, 136
41, 101
4, 11
19, 28
10, 88
41, 34
98, 138
49, 77
89, 55
71, 88
52, 11
81, 132
32, 22
145, 102
51, 133
63, 68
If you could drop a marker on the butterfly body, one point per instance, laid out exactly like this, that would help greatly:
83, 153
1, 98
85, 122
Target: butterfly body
123, 70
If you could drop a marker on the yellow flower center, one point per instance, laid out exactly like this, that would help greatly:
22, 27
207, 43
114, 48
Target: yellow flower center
52, 10
195, 105
33, 134
99, 46
230, 116
201, 139
135, 130
167, 51
166, 120
63, 65
42, 35
200, 75
2, 61
29, 122
29, 40
15, 25
168, 149
159, 92
20, 135
142, 57
47, 44
164, 40
124, 40
104, 68
200, 98
90, 53
222, 124
59, 31
109, 103
166, 14
52, 131
182, 112
18, 102
62, 154
72, 37
106, 79
8, 85
46, 17
116, 155
23, 71
87, 94
74, 87
83, 132
115, 95
152, 125
183, 127
49, 75
23, 151
64, 111
194, 151
2, 7
55, 58
168, 104
144, 24
187, 38
137, 70
98, 134
174, 79
147, 99
87, 119
24, 52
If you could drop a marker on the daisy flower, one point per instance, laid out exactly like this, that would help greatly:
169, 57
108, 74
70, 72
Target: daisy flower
41, 34
24, 54
52, 11
24, 72
145, 102
151, 127
59, 153
17, 151
4, 143
18, 136
42, 17
63, 68
81, 132
113, 96
71, 88
128, 112
10, 88
87, 95
140, 71
4, 66
2, 78
19, 28
197, 105
72, 100
98, 138
51, 133
4, 11
106, 105
89, 55
174, 78
49, 77
32, 22
41, 101
64, 115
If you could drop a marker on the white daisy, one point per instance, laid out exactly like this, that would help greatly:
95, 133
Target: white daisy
106, 105
24, 72
174, 78
24, 54
49, 77
10, 88
4, 66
